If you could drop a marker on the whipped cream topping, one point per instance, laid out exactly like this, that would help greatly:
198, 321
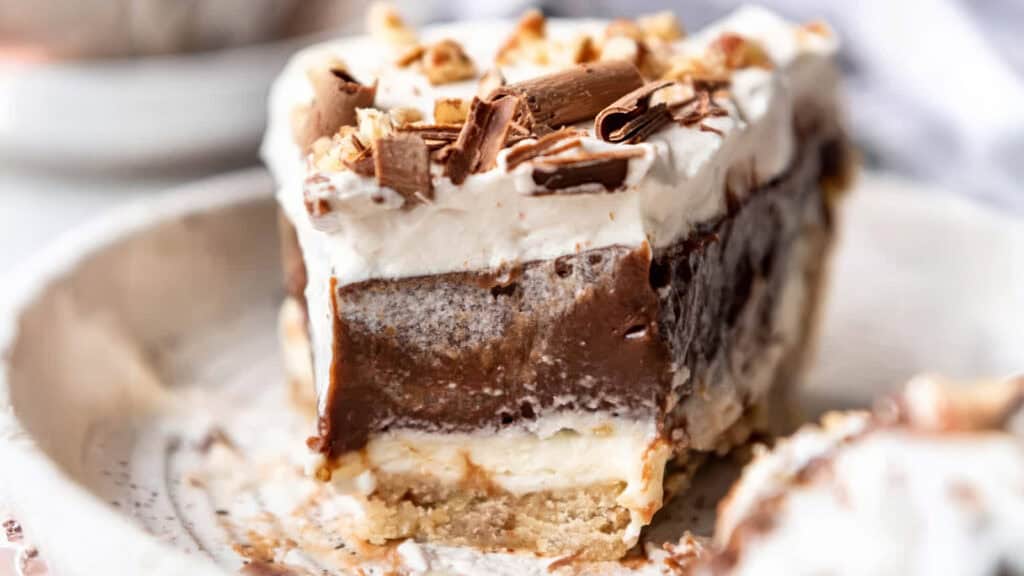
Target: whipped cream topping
677, 182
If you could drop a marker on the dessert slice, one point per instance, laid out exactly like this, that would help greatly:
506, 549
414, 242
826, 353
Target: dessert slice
545, 263
930, 484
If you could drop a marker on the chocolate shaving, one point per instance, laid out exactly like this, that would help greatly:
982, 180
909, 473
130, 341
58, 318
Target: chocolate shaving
631, 118
701, 107
364, 164
528, 152
402, 163
581, 174
436, 132
572, 95
336, 95
574, 143
484, 134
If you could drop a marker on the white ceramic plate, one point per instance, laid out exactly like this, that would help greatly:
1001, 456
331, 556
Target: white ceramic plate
130, 341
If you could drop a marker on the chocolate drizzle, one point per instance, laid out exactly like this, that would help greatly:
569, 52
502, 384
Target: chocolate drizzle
402, 163
484, 134
632, 119
336, 96
572, 95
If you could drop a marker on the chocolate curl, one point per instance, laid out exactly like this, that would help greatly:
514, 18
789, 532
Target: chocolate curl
433, 132
632, 119
402, 163
582, 174
544, 145
483, 135
336, 95
573, 95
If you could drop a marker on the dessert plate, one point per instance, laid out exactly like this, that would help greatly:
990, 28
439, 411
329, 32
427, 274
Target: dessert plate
146, 427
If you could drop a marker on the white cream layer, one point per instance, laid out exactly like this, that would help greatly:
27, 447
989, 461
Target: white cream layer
490, 220
679, 182
554, 453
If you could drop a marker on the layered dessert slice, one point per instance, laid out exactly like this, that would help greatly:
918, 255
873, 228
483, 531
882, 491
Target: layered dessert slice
544, 263
928, 484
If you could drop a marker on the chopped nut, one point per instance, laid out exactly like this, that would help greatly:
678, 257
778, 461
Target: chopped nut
337, 153
446, 62
450, 110
580, 50
491, 81
624, 28
736, 52
674, 94
689, 68
404, 115
621, 48
412, 55
660, 27
532, 25
654, 61
527, 42
385, 23
813, 32
819, 28
624, 48
373, 124
727, 53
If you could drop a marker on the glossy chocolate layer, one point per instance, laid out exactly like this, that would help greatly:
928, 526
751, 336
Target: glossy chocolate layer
603, 330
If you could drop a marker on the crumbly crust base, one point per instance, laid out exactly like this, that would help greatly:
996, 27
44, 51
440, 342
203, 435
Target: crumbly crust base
583, 521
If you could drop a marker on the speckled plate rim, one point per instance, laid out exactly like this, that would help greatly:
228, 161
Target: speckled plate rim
75, 528
95, 538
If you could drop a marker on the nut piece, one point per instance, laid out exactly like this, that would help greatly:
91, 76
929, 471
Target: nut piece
579, 50
651, 64
527, 42
727, 53
450, 110
736, 52
446, 62
673, 95
384, 23
374, 124
621, 48
412, 55
689, 68
818, 28
660, 27
624, 28
404, 115
337, 153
